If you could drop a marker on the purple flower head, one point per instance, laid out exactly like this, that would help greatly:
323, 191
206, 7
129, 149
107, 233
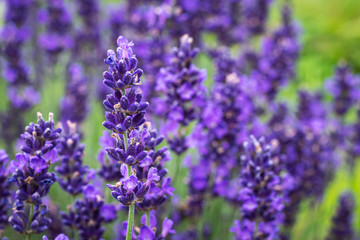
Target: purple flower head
41, 137
23, 98
58, 24
74, 105
134, 143
4, 188
343, 88
181, 84
343, 219
261, 189
74, 175
86, 216
280, 50
255, 14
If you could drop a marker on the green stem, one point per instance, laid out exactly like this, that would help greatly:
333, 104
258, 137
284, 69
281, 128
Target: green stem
28, 235
148, 219
131, 207
76, 234
130, 222
177, 170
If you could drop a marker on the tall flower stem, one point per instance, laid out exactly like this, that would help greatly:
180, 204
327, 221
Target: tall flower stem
28, 235
131, 207
130, 222
177, 169
148, 218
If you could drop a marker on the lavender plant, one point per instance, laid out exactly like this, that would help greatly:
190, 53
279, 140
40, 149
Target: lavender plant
260, 194
343, 219
135, 145
32, 178
4, 190
56, 39
74, 106
279, 53
74, 175
22, 96
183, 94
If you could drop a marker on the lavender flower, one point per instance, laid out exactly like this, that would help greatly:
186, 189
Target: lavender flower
279, 53
17, 11
343, 220
56, 39
21, 94
32, 177
87, 44
142, 166
4, 190
74, 175
255, 14
74, 106
261, 189
343, 88
181, 85
308, 150
85, 216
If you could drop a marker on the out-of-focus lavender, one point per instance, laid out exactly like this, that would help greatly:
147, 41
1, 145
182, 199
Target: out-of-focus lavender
305, 150
183, 94
261, 193
74, 106
4, 190
73, 174
85, 215
87, 43
57, 37
343, 87
21, 95
342, 222
278, 57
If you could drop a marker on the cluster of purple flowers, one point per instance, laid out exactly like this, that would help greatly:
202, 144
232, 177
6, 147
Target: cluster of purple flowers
58, 21
31, 176
260, 194
142, 167
21, 95
182, 86
343, 219
74, 175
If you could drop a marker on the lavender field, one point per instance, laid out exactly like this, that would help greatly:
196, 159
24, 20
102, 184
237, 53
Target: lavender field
179, 119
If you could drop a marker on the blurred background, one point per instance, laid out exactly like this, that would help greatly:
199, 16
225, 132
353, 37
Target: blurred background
329, 34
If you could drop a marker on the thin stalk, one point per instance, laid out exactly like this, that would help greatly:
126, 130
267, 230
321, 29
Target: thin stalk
74, 230
76, 234
177, 170
131, 207
31, 213
130, 222
148, 219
